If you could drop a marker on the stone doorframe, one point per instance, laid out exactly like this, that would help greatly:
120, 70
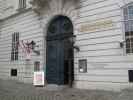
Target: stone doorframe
47, 10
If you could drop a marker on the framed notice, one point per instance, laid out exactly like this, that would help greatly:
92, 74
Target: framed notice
83, 65
38, 78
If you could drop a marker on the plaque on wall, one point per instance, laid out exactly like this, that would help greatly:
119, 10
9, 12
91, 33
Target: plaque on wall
83, 65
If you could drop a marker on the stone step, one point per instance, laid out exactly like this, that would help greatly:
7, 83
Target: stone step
54, 87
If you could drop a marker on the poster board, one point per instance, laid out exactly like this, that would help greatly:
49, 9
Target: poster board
38, 78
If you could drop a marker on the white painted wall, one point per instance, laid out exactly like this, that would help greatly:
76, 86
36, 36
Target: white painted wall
108, 64
10, 7
28, 26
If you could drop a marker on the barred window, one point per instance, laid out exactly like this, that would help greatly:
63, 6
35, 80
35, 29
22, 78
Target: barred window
22, 4
128, 17
15, 41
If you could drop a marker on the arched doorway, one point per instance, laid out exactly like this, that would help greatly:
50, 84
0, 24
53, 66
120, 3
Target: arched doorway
59, 57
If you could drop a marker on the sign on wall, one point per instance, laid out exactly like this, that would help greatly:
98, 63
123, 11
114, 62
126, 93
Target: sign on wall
38, 78
96, 26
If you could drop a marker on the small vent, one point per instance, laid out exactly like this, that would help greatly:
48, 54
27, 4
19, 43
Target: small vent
13, 72
130, 73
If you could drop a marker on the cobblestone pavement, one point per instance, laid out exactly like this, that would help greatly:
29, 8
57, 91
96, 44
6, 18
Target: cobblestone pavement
11, 90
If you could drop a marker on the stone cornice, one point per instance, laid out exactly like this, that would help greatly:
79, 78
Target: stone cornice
38, 5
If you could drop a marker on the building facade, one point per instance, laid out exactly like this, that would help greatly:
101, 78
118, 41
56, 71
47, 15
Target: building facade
88, 42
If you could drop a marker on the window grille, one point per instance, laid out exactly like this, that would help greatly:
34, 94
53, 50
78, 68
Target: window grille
22, 4
128, 19
15, 41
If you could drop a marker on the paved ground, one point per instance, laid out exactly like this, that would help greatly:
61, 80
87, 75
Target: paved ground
11, 90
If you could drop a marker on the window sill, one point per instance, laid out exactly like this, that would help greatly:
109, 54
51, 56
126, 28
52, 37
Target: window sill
21, 9
129, 54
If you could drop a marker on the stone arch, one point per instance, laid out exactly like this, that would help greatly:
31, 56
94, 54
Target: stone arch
65, 8
55, 17
47, 13
51, 17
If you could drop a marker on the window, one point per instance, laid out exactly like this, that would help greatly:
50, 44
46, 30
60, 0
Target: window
15, 41
22, 4
128, 19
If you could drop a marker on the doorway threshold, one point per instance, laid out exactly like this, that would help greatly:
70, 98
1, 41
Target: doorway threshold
55, 87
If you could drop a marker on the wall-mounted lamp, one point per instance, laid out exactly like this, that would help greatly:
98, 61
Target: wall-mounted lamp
122, 43
72, 39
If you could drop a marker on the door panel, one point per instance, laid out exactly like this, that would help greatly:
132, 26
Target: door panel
55, 62
52, 70
61, 62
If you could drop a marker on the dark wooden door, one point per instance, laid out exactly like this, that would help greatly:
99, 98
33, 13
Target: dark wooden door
55, 62
58, 31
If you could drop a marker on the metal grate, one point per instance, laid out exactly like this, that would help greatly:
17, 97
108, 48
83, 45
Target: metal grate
128, 20
15, 41
22, 4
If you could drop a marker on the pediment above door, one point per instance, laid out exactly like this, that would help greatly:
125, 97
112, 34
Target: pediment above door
38, 5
